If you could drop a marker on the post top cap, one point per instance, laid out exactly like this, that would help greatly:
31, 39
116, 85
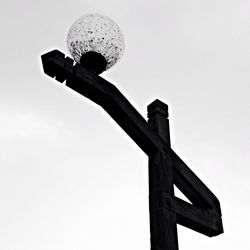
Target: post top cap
157, 106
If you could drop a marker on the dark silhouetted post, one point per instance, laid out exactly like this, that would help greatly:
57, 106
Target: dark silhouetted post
162, 221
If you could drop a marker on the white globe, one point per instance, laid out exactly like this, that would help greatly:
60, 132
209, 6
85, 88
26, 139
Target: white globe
98, 33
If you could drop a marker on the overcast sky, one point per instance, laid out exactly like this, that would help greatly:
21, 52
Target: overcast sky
70, 178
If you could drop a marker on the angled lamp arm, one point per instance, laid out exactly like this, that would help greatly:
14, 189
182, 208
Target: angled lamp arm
105, 94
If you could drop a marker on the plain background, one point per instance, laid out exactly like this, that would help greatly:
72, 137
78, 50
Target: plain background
70, 178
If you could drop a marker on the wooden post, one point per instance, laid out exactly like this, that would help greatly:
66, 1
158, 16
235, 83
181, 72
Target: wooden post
163, 226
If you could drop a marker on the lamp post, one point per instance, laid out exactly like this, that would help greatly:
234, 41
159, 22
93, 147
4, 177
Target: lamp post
95, 50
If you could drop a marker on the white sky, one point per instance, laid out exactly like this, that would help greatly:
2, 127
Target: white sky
70, 178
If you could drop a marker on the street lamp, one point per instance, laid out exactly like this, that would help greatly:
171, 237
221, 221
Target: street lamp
96, 42
166, 168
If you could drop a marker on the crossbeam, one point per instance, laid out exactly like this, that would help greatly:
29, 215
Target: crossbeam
201, 220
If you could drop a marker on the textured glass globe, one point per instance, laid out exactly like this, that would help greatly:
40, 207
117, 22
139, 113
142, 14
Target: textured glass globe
99, 35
